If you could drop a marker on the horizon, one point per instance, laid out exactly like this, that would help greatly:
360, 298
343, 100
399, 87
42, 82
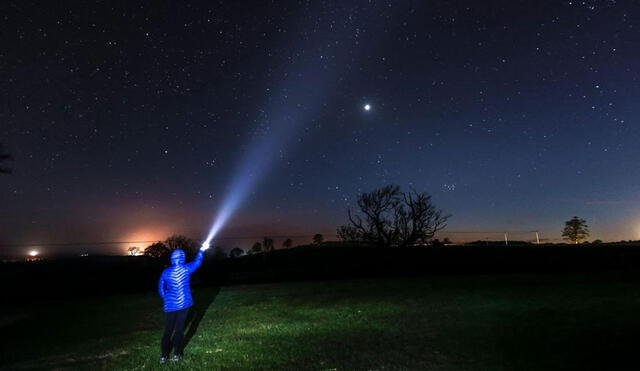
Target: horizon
119, 248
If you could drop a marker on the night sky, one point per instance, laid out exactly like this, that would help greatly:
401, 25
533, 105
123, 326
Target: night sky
131, 121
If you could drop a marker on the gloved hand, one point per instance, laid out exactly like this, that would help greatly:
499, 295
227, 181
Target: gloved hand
205, 246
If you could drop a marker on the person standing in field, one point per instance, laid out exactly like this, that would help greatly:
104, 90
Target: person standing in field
176, 294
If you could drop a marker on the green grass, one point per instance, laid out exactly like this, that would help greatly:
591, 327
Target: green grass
527, 322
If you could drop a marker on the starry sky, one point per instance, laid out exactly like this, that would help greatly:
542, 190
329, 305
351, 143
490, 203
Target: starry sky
129, 121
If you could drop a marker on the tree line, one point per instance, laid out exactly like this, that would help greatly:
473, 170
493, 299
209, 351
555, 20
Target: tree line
387, 217
163, 249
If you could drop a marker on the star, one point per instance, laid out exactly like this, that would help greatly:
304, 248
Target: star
367, 107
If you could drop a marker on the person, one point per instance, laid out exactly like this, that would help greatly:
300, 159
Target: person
176, 294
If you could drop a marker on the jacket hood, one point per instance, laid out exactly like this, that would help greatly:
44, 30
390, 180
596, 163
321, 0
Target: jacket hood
177, 257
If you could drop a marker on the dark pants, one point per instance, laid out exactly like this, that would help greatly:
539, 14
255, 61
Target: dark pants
173, 325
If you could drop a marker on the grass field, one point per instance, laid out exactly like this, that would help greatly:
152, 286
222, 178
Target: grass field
510, 322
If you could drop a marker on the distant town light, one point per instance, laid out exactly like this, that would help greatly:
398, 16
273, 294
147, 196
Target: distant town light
33, 253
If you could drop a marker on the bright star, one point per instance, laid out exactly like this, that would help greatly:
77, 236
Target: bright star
367, 107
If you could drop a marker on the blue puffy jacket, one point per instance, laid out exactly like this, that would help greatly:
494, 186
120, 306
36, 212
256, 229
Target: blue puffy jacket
174, 282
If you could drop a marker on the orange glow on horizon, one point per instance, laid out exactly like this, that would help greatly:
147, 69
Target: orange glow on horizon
144, 236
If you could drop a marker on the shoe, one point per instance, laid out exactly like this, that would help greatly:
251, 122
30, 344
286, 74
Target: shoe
164, 359
176, 357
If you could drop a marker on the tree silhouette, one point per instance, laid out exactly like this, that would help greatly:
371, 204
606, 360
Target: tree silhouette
157, 250
267, 244
189, 246
575, 230
4, 156
162, 249
348, 233
256, 248
236, 252
318, 238
390, 217
287, 243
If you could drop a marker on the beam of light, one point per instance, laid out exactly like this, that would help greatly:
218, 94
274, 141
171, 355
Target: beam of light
257, 161
291, 106
298, 91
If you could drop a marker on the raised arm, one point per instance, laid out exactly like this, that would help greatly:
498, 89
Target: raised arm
192, 266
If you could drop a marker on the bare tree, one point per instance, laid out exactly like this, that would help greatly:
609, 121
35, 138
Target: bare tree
390, 217
4, 156
348, 233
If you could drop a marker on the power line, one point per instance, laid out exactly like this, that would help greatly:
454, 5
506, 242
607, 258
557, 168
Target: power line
106, 243
480, 232
59, 244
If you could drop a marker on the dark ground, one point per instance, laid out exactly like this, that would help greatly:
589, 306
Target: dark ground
452, 309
